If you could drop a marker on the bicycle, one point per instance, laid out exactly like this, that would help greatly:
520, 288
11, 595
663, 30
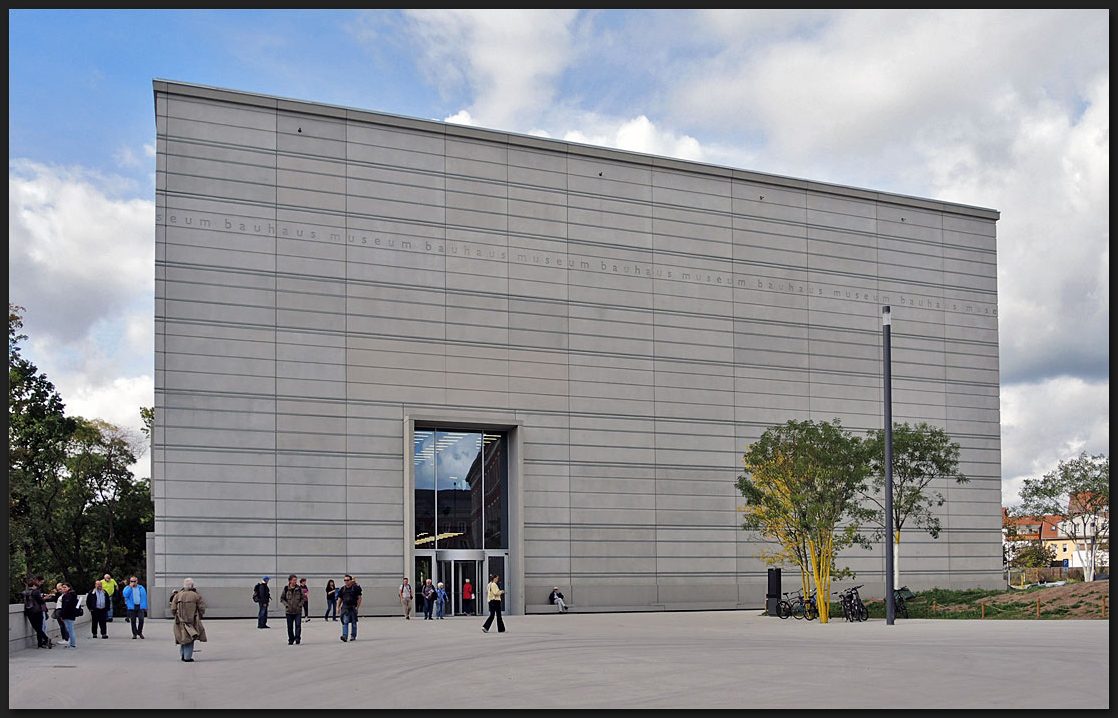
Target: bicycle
784, 607
845, 605
900, 608
857, 607
797, 606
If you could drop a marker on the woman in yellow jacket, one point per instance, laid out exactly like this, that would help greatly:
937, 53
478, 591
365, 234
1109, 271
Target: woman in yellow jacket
493, 594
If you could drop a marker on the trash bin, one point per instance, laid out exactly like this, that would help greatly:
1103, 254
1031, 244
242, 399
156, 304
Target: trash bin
772, 596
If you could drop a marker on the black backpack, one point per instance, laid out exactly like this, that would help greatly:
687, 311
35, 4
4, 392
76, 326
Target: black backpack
29, 602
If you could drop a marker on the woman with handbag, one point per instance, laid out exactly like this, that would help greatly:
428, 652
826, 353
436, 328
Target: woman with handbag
188, 607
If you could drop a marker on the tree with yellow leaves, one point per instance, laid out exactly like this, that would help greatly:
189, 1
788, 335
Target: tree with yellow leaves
802, 487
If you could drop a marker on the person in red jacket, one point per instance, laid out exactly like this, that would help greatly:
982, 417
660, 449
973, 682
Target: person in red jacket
468, 599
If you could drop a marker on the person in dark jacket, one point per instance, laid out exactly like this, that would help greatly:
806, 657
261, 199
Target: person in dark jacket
34, 606
428, 595
331, 601
98, 601
556, 599
263, 597
68, 611
292, 600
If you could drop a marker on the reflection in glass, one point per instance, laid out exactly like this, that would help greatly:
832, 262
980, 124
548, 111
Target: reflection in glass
460, 489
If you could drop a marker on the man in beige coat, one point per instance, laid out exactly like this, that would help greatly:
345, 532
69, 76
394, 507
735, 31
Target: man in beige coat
188, 607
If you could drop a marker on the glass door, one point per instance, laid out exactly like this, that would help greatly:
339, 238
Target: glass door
422, 573
497, 565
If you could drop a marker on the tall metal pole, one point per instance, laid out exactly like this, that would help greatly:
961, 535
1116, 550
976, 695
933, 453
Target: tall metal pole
890, 604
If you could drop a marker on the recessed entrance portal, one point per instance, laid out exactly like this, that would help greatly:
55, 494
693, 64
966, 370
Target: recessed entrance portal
461, 512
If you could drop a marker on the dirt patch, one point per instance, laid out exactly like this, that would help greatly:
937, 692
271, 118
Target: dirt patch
1072, 600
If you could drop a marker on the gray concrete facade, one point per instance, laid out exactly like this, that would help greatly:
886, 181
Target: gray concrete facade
330, 280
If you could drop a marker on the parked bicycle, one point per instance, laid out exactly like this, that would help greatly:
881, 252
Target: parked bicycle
900, 608
853, 609
797, 606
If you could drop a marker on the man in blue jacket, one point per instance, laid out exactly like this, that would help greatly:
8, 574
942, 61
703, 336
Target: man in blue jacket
136, 601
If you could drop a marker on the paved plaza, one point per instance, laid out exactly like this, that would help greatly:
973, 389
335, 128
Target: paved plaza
724, 659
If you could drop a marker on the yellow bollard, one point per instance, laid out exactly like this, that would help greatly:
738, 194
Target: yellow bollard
983, 609
933, 608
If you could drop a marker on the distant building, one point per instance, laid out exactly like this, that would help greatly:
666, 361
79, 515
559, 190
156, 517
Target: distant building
1070, 545
388, 346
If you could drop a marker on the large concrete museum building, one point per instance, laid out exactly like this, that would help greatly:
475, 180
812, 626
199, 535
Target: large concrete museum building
388, 346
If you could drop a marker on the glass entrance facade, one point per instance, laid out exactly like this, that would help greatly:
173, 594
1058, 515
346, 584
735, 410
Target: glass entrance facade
461, 508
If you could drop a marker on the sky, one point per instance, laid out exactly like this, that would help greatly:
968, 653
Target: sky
1001, 109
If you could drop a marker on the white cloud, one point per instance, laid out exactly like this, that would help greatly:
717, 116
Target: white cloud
77, 251
81, 261
838, 85
1048, 422
462, 117
508, 60
638, 134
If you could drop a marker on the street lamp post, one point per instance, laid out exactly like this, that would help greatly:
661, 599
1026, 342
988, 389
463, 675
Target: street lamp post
890, 604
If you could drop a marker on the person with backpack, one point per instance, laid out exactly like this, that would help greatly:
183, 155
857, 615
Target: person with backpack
34, 607
406, 598
262, 596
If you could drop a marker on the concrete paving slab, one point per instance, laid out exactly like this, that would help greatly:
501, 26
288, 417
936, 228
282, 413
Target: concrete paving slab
725, 659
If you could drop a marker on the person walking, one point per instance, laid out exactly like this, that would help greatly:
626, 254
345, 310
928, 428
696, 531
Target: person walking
306, 600
68, 611
349, 601
136, 602
440, 600
331, 601
406, 597
263, 596
109, 584
428, 594
34, 608
188, 608
292, 600
98, 602
493, 594
468, 599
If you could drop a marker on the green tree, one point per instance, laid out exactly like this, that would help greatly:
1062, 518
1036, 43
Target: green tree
802, 486
1078, 491
38, 436
1033, 554
922, 454
75, 510
147, 416
101, 455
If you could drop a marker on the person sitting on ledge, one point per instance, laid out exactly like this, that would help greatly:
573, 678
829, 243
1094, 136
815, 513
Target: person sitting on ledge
556, 598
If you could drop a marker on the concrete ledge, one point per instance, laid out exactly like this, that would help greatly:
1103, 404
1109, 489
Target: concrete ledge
20, 635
